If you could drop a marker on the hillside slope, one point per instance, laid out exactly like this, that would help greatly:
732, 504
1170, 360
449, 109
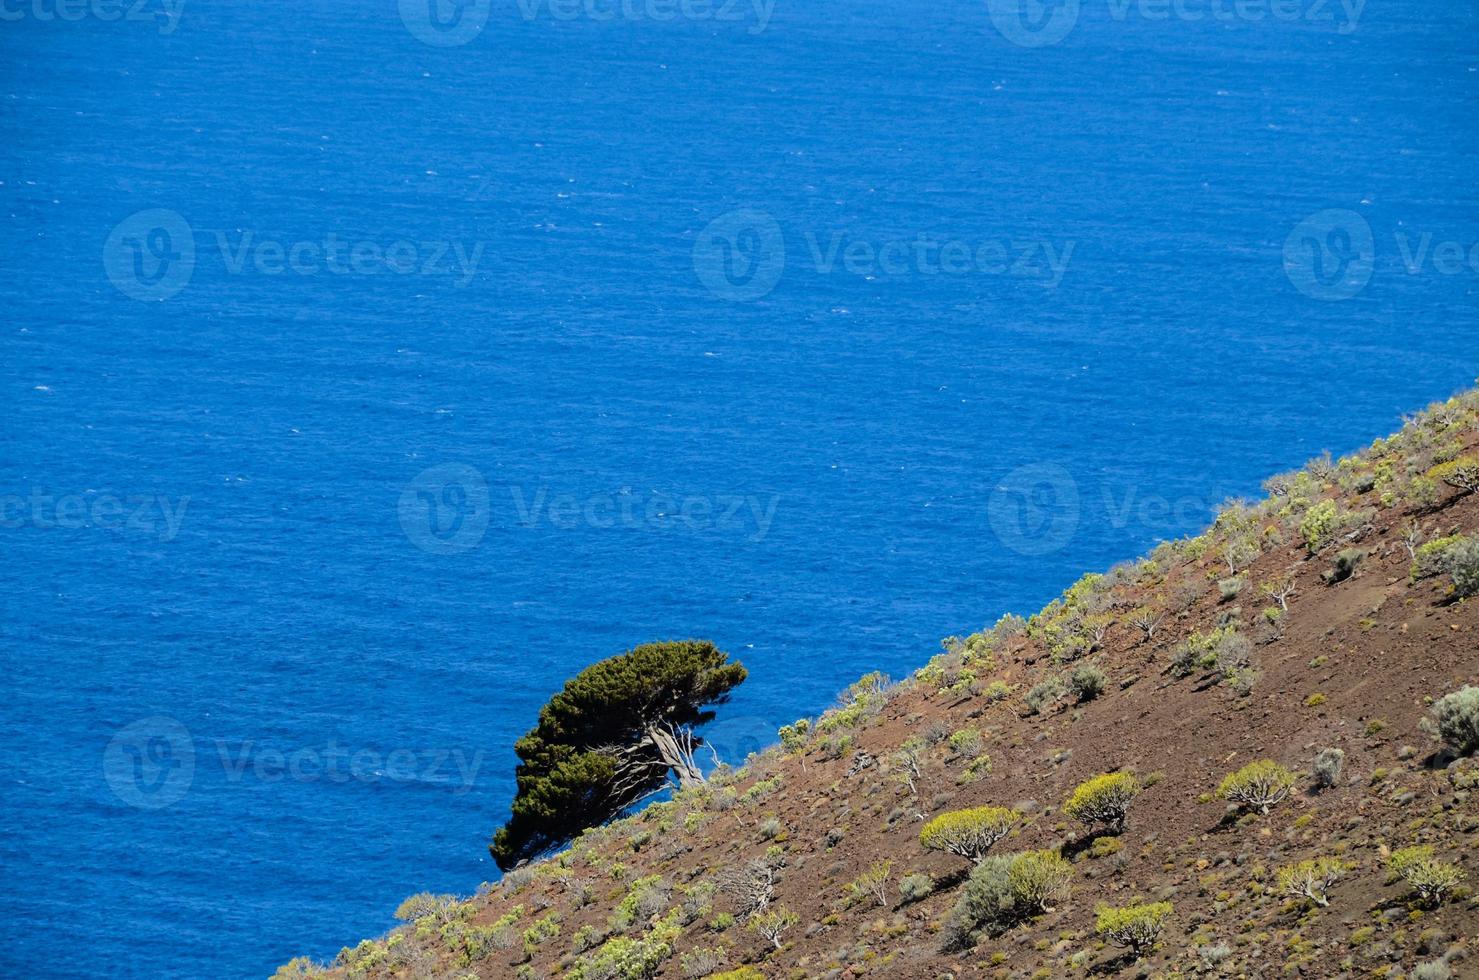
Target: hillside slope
1203, 672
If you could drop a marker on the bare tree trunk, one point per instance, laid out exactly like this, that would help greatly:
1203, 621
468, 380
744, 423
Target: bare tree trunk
676, 748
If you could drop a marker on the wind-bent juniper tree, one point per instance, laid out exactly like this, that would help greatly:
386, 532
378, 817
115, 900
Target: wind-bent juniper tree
619, 732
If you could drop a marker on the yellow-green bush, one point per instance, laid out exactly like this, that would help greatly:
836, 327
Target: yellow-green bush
1430, 878
1133, 927
1258, 786
1104, 800
1039, 879
1461, 473
1312, 879
969, 833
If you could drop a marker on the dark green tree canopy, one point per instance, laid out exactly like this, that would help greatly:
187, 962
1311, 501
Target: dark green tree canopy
617, 733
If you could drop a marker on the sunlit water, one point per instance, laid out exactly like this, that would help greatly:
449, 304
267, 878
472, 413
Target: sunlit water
822, 330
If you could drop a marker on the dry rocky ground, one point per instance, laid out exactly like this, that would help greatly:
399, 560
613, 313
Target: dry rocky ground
1225, 678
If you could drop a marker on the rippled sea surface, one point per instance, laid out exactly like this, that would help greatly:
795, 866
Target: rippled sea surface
366, 373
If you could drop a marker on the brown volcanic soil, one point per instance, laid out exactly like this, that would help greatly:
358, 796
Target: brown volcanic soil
1378, 647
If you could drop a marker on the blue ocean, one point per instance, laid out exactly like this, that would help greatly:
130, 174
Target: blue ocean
369, 368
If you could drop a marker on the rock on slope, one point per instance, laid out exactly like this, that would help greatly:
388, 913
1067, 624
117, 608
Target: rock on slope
808, 861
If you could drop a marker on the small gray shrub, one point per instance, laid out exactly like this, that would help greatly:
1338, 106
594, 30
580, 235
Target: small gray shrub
1457, 717
1087, 682
914, 887
1328, 764
1436, 970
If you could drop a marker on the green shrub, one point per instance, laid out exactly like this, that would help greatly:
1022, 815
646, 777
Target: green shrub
424, 904
1103, 800
1457, 718
1422, 491
773, 922
793, 737
1087, 682
975, 769
703, 962
1430, 878
1133, 927
1039, 879
1312, 879
969, 833
1223, 650
645, 898
1461, 562
987, 904
997, 691
914, 887
586, 938
965, 742
1004, 890
1345, 565
1429, 559
863, 698
743, 973
623, 958
871, 884
541, 932
1461, 474
1320, 525
1044, 693
1258, 786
